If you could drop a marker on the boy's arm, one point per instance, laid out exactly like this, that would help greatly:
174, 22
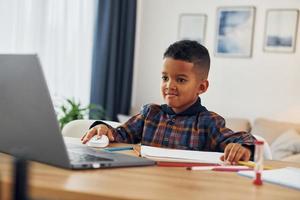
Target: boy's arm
131, 131
221, 136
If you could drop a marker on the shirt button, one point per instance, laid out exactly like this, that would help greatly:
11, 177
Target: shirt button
171, 122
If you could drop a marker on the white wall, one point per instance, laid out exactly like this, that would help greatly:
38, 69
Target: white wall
265, 85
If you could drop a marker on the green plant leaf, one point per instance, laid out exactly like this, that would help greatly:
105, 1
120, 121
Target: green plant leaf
72, 110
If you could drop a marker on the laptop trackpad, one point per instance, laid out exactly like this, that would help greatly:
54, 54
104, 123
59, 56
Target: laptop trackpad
81, 153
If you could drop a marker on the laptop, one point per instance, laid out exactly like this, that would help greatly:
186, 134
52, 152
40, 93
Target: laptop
29, 126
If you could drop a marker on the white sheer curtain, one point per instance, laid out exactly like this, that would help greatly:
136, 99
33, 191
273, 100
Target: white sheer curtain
61, 33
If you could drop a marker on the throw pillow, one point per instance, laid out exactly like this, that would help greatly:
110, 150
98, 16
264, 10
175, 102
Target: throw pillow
286, 144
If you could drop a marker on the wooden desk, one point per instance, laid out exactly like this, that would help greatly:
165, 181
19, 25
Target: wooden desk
47, 182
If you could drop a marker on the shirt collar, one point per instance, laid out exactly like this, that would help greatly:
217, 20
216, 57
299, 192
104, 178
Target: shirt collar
192, 110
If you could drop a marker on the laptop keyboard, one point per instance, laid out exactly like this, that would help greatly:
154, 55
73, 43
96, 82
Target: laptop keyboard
76, 157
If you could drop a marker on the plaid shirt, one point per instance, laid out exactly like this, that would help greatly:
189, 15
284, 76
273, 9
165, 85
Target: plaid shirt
193, 129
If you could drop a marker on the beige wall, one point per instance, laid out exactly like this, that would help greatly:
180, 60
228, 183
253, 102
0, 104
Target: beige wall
265, 85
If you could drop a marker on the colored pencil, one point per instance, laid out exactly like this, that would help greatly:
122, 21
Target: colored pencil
183, 164
118, 148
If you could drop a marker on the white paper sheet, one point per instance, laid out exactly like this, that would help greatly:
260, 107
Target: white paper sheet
175, 155
288, 176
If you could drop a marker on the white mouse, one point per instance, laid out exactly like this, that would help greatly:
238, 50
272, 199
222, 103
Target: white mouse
103, 141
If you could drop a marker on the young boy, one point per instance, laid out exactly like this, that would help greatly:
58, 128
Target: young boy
181, 123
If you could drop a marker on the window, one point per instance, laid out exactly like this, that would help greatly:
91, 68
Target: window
61, 33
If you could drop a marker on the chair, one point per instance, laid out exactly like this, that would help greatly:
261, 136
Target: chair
77, 128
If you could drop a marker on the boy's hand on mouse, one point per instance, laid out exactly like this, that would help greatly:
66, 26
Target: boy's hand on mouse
235, 152
98, 130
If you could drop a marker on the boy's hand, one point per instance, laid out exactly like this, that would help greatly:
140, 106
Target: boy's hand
235, 152
98, 130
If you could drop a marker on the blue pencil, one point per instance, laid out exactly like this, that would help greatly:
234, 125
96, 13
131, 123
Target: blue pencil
118, 148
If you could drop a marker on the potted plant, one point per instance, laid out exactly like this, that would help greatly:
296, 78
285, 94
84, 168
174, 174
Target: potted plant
72, 110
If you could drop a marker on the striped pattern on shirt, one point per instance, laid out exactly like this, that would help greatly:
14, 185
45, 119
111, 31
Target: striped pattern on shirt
194, 129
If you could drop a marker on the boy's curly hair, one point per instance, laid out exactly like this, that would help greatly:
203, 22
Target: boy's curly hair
190, 51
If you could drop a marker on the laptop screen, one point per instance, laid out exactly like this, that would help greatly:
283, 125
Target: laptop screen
28, 123
29, 127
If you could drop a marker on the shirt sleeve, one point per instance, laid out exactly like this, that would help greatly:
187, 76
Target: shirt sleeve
220, 136
132, 130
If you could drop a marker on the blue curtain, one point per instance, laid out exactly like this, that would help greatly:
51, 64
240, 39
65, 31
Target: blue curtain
112, 64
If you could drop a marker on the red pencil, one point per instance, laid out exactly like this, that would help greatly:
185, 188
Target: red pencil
183, 164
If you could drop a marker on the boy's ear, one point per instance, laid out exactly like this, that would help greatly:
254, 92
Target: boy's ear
203, 86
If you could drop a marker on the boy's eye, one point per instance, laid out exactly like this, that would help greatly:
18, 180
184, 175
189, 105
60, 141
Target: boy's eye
164, 78
181, 80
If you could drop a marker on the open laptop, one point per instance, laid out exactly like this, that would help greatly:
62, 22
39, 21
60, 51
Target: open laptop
28, 123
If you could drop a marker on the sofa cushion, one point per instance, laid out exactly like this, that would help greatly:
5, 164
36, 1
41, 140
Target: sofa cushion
287, 144
270, 129
293, 158
238, 124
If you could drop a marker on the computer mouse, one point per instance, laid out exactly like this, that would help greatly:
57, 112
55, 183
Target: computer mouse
103, 141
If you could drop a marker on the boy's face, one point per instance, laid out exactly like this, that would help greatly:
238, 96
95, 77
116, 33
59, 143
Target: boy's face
181, 84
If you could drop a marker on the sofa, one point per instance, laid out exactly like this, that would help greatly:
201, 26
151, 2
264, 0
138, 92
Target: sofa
282, 138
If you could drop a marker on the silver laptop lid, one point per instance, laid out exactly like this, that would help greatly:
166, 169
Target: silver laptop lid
28, 124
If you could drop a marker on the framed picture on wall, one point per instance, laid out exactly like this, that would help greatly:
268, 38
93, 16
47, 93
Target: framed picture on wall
234, 31
192, 27
281, 30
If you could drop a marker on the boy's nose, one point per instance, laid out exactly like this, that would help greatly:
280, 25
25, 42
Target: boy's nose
171, 85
